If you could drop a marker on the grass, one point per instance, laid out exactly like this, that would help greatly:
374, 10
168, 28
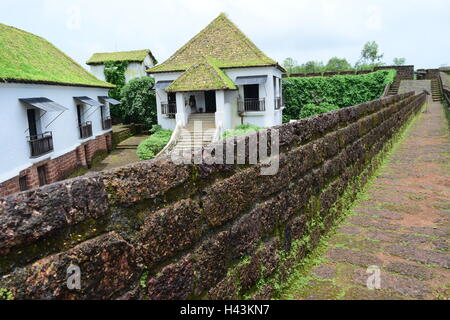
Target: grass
128, 56
221, 40
27, 57
203, 76
240, 130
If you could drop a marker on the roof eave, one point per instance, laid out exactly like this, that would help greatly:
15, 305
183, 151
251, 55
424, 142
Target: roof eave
276, 65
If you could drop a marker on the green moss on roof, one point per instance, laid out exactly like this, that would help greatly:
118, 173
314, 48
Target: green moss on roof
25, 57
203, 76
221, 40
130, 56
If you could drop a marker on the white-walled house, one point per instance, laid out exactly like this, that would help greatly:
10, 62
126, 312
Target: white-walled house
219, 77
56, 113
138, 62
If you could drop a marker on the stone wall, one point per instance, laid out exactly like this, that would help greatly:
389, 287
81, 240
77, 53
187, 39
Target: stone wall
403, 72
159, 230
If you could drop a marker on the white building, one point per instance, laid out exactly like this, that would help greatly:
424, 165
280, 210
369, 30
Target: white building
137, 63
221, 78
56, 114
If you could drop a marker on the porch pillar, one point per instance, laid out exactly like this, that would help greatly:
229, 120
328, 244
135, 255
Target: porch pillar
223, 116
181, 110
270, 102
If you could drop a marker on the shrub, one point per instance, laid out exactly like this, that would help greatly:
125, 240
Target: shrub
150, 148
6, 294
138, 102
311, 110
341, 91
240, 130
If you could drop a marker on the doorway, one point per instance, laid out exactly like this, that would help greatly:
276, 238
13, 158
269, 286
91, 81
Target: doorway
210, 102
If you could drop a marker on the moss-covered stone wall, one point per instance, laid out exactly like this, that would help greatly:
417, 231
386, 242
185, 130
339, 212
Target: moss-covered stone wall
157, 230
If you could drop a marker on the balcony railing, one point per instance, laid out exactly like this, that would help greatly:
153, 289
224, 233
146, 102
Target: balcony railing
85, 130
107, 123
40, 144
251, 105
278, 103
169, 109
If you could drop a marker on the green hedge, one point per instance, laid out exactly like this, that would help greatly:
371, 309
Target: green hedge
311, 110
342, 91
149, 148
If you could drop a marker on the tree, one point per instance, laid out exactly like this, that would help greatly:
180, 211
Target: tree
310, 67
399, 61
336, 64
289, 64
138, 102
370, 57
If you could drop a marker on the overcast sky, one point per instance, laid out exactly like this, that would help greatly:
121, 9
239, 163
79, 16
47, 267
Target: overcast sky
302, 29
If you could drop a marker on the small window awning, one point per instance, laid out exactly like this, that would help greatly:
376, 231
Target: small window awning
109, 100
44, 104
161, 85
89, 101
240, 81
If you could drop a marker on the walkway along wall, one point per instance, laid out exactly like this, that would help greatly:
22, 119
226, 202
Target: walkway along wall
156, 230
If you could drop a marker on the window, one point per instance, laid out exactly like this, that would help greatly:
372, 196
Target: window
23, 183
42, 174
251, 91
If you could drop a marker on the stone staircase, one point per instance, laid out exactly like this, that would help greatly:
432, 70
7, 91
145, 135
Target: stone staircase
198, 132
393, 90
436, 90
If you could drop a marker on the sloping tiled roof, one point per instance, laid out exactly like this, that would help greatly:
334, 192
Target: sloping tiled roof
25, 57
202, 76
130, 56
221, 40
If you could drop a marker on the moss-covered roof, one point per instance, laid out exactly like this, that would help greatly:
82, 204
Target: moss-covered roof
25, 57
202, 76
221, 40
130, 56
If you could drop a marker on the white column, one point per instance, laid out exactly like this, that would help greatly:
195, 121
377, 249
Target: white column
270, 102
181, 113
223, 116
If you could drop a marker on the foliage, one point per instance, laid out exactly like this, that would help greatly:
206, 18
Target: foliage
150, 148
399, 61
341, 91
290, 64
311, 110
370, 55
138, 102
240, 130
115, 74
25, 56
6, 294
336, 64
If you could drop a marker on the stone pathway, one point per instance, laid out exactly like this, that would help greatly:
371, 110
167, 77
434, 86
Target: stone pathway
124, 154
402, 225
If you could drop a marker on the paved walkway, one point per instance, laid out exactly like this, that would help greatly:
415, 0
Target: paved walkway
402, 226
124, 154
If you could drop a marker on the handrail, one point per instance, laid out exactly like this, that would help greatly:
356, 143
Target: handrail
172, 142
